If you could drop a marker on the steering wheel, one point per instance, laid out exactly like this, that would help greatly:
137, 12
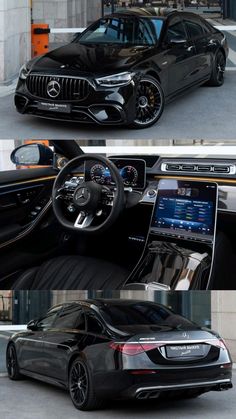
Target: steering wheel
88, 200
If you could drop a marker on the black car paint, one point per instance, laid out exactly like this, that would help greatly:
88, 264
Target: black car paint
177, 68
47, 355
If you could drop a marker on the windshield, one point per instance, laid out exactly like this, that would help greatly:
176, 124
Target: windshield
129, 31
142, 314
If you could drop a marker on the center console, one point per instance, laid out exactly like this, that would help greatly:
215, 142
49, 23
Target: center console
179, 249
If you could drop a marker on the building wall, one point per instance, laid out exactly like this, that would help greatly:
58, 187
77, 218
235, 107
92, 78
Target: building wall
15, 41
224, 317
65, 14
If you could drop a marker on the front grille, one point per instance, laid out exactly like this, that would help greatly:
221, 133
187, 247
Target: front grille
70, 88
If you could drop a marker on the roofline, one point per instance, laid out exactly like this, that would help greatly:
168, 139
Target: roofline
99, 302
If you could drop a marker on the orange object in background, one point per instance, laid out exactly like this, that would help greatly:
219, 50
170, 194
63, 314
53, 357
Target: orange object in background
45, 142
39, 38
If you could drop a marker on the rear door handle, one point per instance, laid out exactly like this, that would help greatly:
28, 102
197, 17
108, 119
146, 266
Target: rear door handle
190, 49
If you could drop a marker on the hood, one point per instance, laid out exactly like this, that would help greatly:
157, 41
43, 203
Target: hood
90, 58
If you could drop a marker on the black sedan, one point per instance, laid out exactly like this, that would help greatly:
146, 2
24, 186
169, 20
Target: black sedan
119, 349
124, 68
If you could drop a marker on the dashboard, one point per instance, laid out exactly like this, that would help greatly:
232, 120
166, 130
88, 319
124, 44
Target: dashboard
145, 173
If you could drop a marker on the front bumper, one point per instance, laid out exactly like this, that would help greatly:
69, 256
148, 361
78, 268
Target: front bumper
104, 106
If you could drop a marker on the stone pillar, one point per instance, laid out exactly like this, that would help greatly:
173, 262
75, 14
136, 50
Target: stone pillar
223, 310
6, 147
15, 37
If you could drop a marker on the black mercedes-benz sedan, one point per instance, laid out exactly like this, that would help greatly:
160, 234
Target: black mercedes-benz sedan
120, 349
124, 68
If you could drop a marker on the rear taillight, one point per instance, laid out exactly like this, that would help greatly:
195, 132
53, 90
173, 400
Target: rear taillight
219, 343
133, 348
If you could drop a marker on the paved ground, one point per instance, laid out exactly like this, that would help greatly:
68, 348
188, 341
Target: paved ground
31, 399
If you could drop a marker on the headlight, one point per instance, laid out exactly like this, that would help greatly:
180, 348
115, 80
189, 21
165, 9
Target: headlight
116, 80
23, 72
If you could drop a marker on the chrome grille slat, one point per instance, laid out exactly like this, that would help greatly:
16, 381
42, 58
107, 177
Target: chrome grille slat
71, 88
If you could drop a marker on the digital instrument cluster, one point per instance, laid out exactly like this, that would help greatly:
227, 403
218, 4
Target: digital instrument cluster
185, 209
132, 171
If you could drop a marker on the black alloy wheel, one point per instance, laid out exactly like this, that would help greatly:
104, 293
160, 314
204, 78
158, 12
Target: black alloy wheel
149, 102
81, 387
12, 364
218, 72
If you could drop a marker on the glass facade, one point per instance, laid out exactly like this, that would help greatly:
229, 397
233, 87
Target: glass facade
19, 307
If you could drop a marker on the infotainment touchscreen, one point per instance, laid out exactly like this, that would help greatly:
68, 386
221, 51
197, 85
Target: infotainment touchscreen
185, 209
133, 172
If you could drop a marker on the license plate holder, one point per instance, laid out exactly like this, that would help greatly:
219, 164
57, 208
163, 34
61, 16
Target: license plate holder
185, 350
54, 107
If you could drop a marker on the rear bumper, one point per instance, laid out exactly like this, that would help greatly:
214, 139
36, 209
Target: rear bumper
126, 385
155, 391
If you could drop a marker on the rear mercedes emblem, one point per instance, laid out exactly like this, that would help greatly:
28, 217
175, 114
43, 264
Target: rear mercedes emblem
53, 89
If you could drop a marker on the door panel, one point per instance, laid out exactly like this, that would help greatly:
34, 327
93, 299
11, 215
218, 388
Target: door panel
201, 38
29, 232
180, 58
30, 351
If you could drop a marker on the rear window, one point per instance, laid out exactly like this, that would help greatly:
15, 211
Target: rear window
141, 314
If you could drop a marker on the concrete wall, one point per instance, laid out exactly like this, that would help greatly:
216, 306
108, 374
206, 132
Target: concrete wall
15, 38
65, 13
223, 305
6, 147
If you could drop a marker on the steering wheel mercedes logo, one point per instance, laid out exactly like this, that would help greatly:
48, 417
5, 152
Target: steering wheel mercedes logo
82, 196
53, 89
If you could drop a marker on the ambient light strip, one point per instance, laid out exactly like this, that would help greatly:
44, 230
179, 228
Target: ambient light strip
23, 182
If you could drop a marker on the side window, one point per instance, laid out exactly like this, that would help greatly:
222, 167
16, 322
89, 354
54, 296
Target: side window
175, 31
69, 318
93, 324
47, 321
194, 29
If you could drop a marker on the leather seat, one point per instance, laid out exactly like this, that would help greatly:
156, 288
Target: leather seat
72, 273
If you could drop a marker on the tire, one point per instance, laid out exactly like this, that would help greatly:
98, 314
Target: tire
81, 387
150, 103
12, 363
218, 71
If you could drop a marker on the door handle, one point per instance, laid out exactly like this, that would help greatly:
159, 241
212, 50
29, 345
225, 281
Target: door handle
190, 49
212, 42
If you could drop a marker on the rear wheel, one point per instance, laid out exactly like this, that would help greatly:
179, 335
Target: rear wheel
218, 71
81, 387
12, 363
149, 102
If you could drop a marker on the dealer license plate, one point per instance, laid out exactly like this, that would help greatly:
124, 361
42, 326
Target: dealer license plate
182, 351
54, 107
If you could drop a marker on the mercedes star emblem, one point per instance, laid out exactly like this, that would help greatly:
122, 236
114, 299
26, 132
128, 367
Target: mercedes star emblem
82, 195
53, 89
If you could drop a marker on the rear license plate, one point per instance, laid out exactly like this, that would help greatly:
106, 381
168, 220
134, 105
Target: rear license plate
182, 351
54, 107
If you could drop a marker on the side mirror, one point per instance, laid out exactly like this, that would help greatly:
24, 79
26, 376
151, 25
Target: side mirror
32, 155
32, 325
